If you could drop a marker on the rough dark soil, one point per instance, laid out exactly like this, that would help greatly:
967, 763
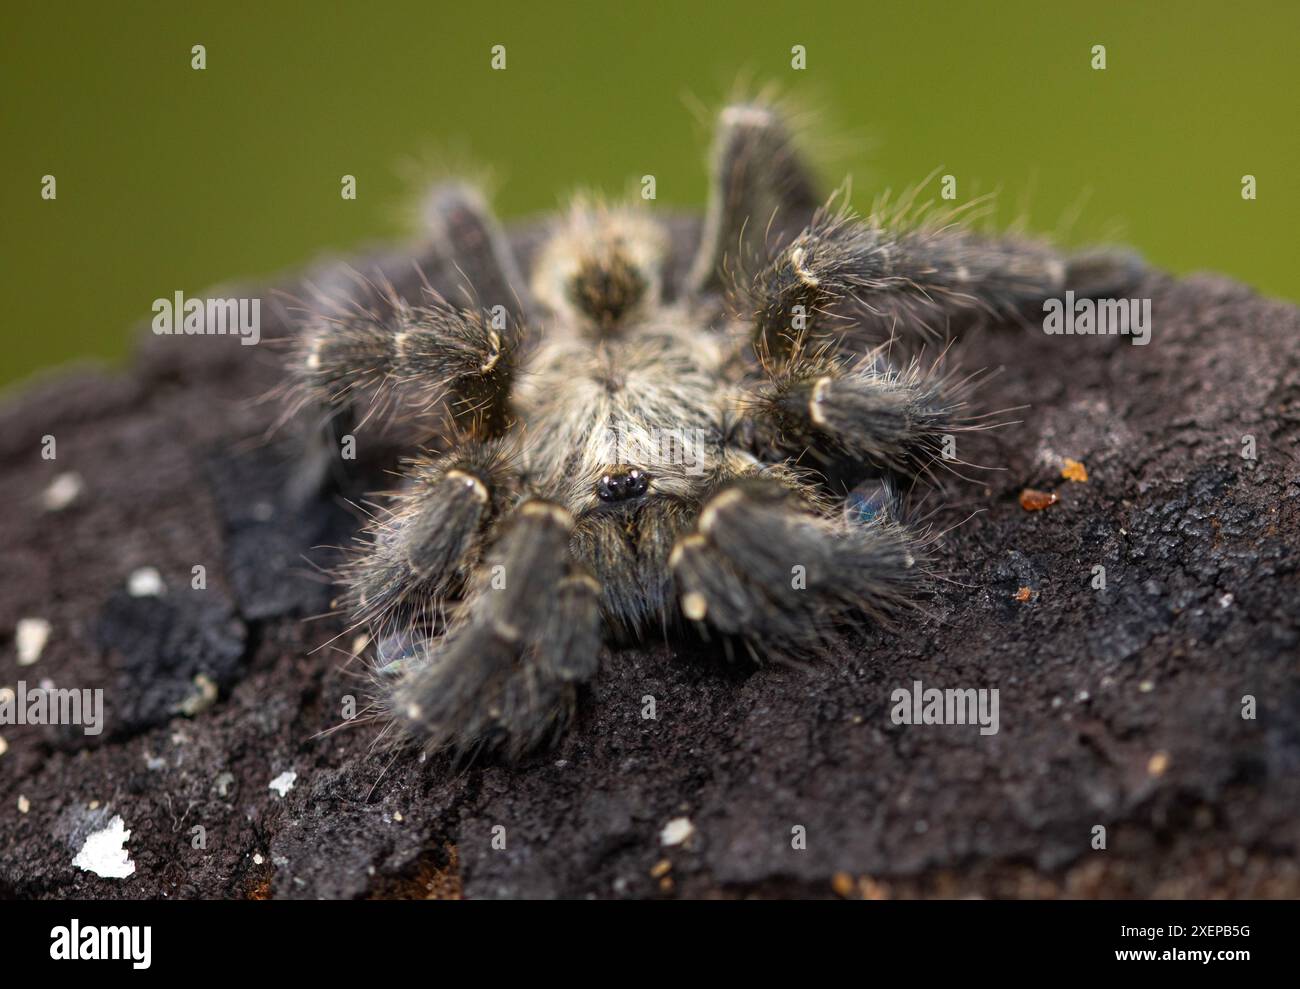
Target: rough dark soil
1120, 707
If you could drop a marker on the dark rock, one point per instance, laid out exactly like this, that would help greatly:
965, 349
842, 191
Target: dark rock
168, 646
1120, 707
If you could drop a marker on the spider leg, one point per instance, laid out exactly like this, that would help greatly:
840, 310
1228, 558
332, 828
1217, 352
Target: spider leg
507, 671
758, 179
857, 282
469, 240
465, 255
864, 411
425, 544
783, 573
460, 358
348, 348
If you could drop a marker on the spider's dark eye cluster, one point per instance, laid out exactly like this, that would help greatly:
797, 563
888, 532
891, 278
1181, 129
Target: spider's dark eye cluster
622, 486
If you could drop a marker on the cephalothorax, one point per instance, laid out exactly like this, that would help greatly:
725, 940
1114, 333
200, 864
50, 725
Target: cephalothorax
632, 443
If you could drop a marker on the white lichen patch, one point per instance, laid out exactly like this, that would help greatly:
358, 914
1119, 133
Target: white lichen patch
31, 635
283, 783
62, 492
146, 582
676, 831
104, 853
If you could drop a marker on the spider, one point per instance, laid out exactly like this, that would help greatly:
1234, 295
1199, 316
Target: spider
635, 442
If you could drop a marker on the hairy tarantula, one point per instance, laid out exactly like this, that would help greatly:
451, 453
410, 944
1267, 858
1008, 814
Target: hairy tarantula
765, 374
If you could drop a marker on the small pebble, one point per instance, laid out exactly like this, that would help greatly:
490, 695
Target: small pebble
145, 583
31, 635
661, 868
204, 696
24, 805
1146, 686
843, 884
104, 853
257, 858
283, 783
1158, 764
62, 492
4, 746
676, 831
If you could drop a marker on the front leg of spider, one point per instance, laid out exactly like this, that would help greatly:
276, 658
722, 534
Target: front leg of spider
506, 673
420, 550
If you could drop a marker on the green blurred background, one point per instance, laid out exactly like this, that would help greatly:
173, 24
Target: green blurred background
170, 178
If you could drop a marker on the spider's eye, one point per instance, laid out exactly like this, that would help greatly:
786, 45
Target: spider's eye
622, 486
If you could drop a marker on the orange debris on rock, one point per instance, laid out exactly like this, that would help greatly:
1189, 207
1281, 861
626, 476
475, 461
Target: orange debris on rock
1033, 500
1074, 471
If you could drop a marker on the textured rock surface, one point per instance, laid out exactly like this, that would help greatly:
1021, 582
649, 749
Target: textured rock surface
1119, 707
